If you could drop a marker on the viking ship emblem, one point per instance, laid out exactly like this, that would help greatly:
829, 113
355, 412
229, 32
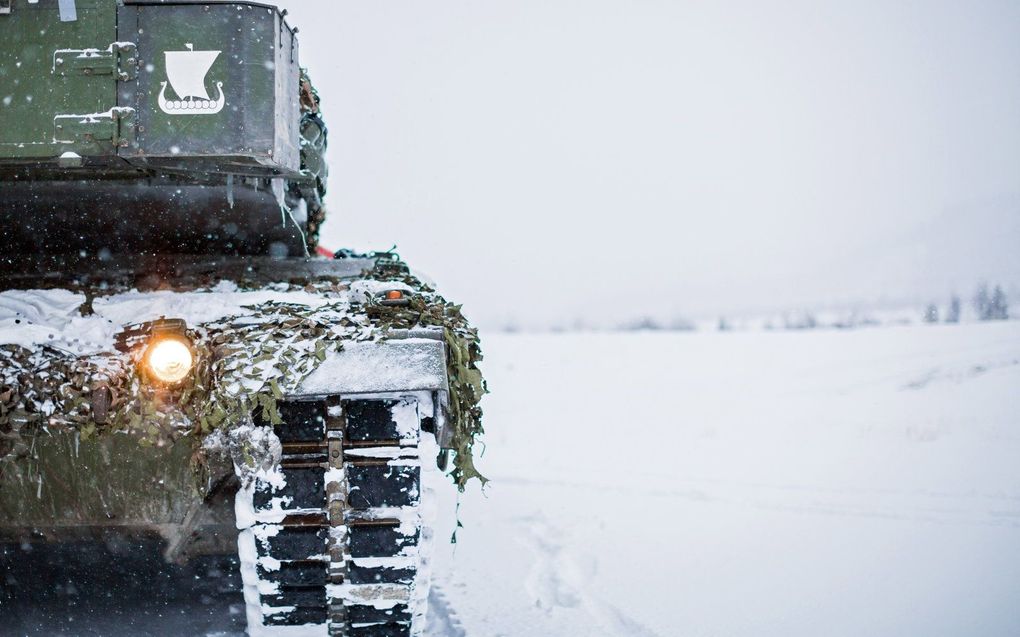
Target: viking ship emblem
186, 71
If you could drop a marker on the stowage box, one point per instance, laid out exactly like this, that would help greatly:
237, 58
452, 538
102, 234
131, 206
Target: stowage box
165, 84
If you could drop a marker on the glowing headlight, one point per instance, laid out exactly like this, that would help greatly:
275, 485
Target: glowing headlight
169, 360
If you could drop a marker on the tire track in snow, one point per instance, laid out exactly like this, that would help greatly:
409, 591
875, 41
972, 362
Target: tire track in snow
442, 619
558, 579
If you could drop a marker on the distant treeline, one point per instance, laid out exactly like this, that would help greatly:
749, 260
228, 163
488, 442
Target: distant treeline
988, 306
988, 303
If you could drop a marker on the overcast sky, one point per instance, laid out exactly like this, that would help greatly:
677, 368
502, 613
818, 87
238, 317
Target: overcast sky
550, 159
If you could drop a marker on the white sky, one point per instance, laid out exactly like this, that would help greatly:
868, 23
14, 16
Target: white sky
549, 159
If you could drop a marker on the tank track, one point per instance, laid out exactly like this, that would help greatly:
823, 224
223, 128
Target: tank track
339, 543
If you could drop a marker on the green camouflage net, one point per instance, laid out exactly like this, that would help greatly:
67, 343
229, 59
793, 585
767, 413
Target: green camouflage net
464, 352
243, 363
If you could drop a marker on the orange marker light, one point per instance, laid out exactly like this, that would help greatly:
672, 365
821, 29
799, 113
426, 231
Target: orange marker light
394, 295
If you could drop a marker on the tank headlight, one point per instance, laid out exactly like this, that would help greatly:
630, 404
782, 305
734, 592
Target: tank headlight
168, 359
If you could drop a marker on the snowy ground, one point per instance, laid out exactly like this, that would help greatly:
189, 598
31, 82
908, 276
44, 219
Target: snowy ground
814, 483
858, 483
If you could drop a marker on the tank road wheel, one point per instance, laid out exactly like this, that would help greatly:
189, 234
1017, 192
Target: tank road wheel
335, 543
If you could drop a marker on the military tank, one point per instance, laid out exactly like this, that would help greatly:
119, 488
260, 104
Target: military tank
179, 358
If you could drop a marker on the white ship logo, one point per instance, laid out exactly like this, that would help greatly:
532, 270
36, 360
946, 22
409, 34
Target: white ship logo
186, 71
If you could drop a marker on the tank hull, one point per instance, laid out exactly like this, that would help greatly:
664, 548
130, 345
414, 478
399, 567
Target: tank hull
73, 483
79, 490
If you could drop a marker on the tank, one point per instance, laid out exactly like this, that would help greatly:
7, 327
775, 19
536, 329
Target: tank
180, 361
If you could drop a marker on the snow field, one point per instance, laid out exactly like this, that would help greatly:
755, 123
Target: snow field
860, 482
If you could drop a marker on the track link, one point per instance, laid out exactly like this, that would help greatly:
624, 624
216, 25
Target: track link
338, 546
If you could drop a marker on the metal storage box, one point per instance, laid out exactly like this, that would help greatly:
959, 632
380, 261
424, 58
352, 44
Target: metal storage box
163, 84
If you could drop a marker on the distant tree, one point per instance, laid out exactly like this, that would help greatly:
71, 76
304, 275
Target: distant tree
724, 326
998, 307
983, 303
953, 313
643, 324
805, 321
680, 324
848, 322
931, 313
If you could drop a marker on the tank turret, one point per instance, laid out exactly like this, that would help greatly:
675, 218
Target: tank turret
194, 120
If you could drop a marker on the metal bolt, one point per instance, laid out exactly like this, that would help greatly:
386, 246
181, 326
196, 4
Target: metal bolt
336, 453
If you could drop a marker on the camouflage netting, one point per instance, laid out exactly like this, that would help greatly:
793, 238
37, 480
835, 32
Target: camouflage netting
314, 141
463, 350
243, 363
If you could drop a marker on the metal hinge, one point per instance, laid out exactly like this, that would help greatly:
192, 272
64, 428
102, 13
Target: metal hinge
120, 59
116, 126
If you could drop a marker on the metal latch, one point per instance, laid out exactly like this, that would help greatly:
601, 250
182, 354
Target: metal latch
120, 59
116, 125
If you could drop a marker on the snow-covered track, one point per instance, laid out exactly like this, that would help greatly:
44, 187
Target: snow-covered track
334, 541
